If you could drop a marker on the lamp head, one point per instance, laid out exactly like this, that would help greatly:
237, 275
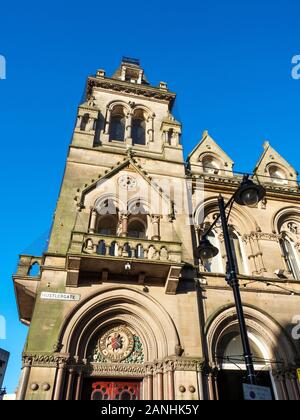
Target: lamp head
206, 250
249, 194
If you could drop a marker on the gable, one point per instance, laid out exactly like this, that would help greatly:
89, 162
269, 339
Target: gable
208, 148
271, 165
125, 184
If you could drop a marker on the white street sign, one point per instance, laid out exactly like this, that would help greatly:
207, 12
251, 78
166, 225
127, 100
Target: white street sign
60, 296
257, 393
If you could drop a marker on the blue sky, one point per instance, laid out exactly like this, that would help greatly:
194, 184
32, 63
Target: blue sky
229, 62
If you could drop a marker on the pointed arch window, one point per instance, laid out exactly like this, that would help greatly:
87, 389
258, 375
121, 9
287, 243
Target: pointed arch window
291, 257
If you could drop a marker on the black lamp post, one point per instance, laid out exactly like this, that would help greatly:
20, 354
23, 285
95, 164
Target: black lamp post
248, 194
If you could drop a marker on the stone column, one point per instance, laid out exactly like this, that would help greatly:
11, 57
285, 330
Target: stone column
171, 385
107, 122
93, 221
140, 78
156, 227
124, 225
150, 386
210, 383
149, 382
90, 124
129, 128
291, 376
78, 122
160, 382
279, 377
24, 381
69, 393
165, 136
197, 234
78, 386
169, 369
150, 131
200, 382
59, 381
215, 382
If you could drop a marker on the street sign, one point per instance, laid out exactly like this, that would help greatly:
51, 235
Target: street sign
257, 393
298, 371
60, 296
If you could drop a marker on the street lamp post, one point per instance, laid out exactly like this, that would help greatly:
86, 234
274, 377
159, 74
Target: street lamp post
247, 194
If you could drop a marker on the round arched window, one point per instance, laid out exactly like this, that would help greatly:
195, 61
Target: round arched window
136, 229
117, 124
210, 165
277, 174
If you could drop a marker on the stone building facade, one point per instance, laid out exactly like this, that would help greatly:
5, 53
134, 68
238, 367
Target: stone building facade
121, 306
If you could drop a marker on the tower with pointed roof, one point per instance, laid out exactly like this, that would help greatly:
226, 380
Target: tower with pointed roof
121, 307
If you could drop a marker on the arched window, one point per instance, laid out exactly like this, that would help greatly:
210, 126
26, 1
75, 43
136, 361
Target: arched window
231, 349
84, 122
291, 257
230, 360
117, 124
34, 270
101, 248
139, 128
127, 251
107, 225
214, 265
114, 250
136, 229
210, 165
238, 253
277, 174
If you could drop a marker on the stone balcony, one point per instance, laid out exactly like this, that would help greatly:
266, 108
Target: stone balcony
26, 281
101, 257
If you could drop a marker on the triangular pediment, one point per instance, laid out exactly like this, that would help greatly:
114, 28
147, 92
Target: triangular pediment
271, 165
126, 181
208, 148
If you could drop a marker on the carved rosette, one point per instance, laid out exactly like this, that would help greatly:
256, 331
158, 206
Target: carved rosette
118, 345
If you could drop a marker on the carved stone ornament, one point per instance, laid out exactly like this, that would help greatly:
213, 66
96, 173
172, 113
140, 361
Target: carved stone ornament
127, 182
117, 344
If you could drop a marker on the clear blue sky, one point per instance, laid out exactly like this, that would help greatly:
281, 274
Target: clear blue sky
229, 62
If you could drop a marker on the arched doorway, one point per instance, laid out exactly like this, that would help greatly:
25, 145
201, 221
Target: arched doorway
114, 339
272, 351
231, 366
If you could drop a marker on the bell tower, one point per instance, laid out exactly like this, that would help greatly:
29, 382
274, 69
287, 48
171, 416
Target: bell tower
106, 296
125, 111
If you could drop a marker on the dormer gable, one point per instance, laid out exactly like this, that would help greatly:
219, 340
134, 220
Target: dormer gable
274, 169
209, 158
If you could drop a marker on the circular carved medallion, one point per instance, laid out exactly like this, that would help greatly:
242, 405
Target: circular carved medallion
127, 182
117, 344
